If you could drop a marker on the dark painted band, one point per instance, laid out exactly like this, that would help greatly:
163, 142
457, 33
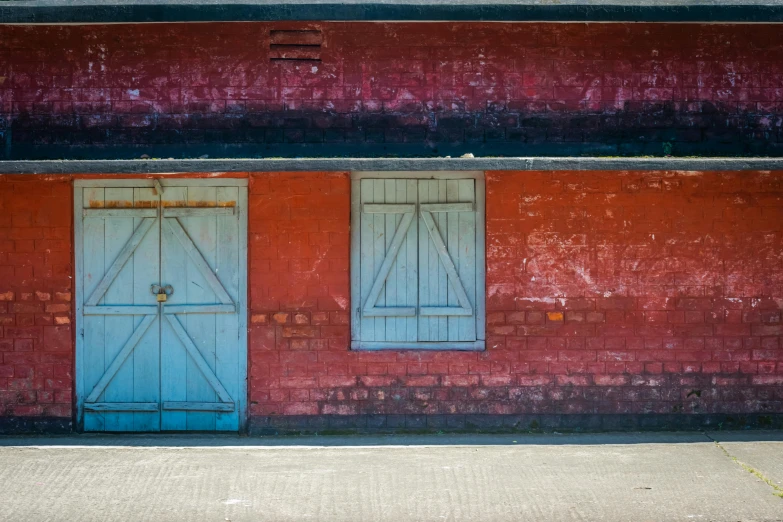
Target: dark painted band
39, 425
56, 11
326, 424
383, 164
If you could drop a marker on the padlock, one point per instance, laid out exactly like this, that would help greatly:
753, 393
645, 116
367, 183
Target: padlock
161, 293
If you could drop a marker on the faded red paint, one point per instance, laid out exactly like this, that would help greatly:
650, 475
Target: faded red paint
629, 292
179, 68
607, 292
36, 292
299, 293
396, 83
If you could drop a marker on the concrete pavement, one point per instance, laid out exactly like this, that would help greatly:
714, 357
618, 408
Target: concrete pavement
764, 457
633, 477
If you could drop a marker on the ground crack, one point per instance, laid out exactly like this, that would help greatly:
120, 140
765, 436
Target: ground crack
778, 491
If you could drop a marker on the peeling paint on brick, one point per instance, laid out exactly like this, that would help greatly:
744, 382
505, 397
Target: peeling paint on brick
649, 317
493, 89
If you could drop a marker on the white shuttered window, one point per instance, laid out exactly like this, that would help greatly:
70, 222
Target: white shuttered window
417, 261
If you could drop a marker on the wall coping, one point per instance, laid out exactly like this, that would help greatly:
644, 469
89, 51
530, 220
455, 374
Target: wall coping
174, 166
149, 11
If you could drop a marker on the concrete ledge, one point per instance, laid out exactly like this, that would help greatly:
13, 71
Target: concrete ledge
382, 164
145, 11
325, 424
35, 425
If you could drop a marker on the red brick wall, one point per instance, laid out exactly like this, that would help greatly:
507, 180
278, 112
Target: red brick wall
182, 68
637, 292
607, 292
627, 88
299, 292
36, 341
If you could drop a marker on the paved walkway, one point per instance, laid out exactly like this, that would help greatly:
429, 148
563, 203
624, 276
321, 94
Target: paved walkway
623, 477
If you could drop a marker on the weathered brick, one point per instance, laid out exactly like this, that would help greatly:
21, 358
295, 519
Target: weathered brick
29, 332
650, 281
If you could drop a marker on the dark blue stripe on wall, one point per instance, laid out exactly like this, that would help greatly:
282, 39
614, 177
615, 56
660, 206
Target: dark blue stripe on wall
56, 11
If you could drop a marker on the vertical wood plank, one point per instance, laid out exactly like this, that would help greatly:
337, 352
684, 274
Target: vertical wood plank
481, 290
146, 355
411, 281
425, 297
93, 257
174, 262
390, 288
465, 258
118, 327
443, 280
378, 254
404, 296
242, 396
451, 236
432, 279
227, 349
367, 264
201, 328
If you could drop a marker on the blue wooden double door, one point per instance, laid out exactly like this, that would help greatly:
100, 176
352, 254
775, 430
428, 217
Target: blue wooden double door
161, 304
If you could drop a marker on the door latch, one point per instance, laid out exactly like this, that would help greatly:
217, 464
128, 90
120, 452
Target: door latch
161, 293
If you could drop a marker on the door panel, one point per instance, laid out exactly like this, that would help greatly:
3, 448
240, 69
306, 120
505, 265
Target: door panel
105, 333
94, 325
181, 364
173, 385
204, 250
227, 326
146, 355
119, 327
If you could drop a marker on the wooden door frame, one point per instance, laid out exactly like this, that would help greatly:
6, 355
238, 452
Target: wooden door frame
481, 292
242, 294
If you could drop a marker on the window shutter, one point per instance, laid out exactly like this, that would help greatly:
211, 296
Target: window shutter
416, 272
388, 265
447, 266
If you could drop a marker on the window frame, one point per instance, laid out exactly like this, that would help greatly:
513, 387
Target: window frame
355, 246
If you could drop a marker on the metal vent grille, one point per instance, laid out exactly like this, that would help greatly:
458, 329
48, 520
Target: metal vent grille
296, 46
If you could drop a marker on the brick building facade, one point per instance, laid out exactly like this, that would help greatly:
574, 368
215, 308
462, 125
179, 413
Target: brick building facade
615, 299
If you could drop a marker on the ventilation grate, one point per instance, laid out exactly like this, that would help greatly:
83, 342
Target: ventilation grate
296, 46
